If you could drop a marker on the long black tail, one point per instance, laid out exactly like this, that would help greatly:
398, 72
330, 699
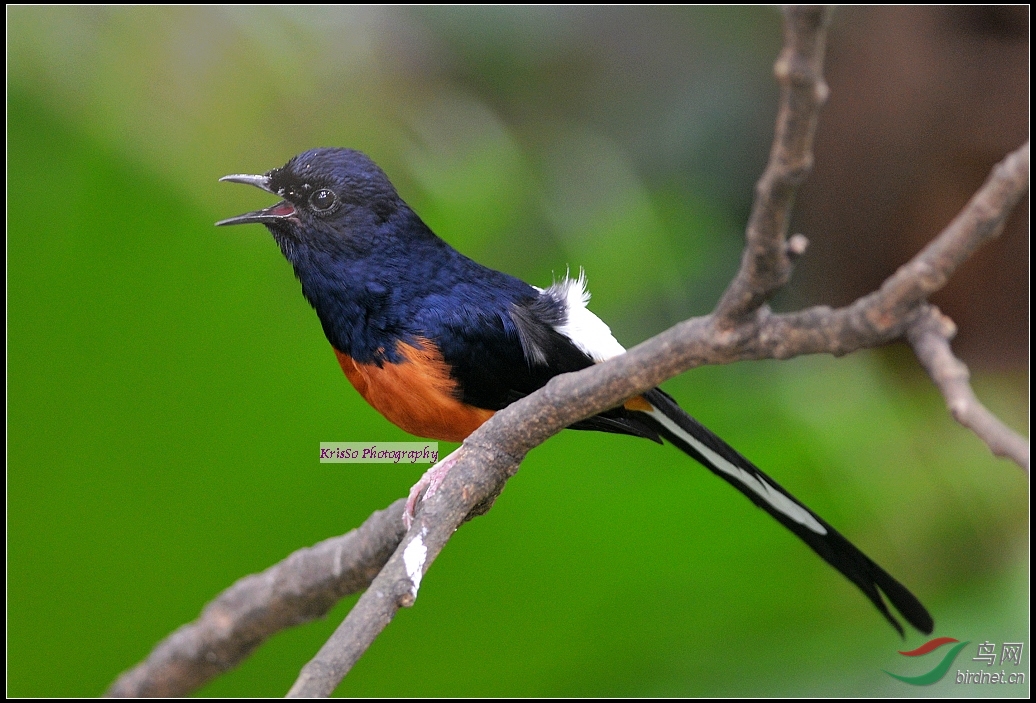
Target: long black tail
675, 425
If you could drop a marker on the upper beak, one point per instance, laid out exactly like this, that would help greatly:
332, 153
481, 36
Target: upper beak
274, 213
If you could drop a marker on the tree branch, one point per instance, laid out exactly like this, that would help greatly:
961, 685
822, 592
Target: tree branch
303, 587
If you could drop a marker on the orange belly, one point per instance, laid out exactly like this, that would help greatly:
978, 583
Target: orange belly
417, 395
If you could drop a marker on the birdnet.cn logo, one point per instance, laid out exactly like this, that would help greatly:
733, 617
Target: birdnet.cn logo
1009, 656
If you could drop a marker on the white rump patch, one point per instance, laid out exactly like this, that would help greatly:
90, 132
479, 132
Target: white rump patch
413, 558
759, 486
587, 331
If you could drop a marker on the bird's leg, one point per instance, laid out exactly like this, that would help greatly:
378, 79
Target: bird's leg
429, 483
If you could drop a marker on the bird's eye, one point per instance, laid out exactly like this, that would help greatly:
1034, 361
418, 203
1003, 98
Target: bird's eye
323, 199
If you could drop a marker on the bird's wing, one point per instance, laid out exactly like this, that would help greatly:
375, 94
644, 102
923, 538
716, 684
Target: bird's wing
499, 355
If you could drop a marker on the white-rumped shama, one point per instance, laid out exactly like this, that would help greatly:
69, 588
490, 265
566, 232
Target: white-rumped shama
437, 343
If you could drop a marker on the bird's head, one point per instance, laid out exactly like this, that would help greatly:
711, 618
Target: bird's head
331, 198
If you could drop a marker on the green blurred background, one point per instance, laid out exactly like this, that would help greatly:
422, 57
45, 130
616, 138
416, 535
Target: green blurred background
168, 385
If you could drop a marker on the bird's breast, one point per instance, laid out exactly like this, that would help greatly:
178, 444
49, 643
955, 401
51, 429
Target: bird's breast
418, 394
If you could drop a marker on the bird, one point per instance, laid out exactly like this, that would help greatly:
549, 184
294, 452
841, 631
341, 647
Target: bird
437, 343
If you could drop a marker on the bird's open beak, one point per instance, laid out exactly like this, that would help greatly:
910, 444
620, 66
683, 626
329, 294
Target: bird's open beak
274, 213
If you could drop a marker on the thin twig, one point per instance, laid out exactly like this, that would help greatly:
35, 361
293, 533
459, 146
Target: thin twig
930, 336
766, 261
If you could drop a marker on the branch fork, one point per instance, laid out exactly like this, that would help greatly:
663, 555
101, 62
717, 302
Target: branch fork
389, 562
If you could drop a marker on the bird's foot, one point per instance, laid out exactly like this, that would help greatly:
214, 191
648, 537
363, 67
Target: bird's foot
428, 484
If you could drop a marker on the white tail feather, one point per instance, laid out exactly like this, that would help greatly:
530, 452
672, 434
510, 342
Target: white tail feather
757, 484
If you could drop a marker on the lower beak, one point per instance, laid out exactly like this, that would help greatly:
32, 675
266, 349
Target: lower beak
275, 213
